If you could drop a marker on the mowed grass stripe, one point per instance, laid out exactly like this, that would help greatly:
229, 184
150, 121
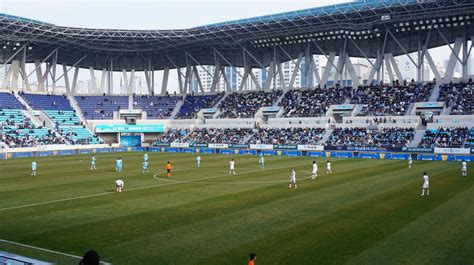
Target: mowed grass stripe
250, 223
446, 234
192, 222
394, 165
342, 235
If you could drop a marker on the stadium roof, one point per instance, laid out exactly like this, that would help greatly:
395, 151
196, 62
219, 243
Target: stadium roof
360, 27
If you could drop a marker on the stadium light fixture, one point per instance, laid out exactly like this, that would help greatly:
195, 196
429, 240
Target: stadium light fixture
30, 48
4, 47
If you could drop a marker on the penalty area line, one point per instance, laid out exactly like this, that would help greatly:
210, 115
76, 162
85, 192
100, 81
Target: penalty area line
46, 250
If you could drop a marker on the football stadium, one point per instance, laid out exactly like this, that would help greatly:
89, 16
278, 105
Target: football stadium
338, 134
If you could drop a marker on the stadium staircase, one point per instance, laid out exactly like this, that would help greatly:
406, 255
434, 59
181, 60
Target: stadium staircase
277, 102
38, 117
78, 110
434, 94
216, 106
325, 137
358, 108
419, 132
409, 110
177, 107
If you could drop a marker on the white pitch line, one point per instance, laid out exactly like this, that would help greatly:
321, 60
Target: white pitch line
46, 250
139, 188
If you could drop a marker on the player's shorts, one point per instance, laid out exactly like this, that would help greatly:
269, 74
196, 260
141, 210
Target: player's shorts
232, 168
314, 171
168, 170
328, 169
426, 186
464, 169
292, 181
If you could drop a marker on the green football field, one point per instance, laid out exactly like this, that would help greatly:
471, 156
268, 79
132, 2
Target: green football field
366, 212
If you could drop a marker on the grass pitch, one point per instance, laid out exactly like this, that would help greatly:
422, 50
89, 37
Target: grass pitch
366, 212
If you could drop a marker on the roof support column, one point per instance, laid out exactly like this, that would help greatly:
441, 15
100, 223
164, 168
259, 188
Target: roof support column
66, 80
198, 79
281, 76
164, 83
124, 87
420, 68
148, 81
295, 71
389, 68
448, 77
247, 69
431, 64
93, 84
327, 69
103, 80
53, 70
74, 80
15, 67
352, 73
465, 57
23, 71
228, 88
308, 73
110, 85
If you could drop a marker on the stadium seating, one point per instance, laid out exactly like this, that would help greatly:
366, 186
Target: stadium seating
390, 100
101, 107
229, 136
363, 137
287, 136
9, 101
245, 105
192, 105
448, 137
460, 97
156, 107
47, 102
68, 124
314, 102
172, 136
19, 131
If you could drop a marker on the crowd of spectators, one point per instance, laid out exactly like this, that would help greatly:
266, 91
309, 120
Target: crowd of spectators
212, 135
459, 97
192, 104
173, 136
246, 104
20, 131
448, 137
383, 100
363, 137
314, 102
286, 136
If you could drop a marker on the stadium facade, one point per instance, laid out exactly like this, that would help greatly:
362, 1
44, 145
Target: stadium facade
375, 30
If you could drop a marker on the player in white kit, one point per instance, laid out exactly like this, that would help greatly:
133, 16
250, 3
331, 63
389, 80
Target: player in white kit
198, 161
314, 173
328, 168
292, 179
33, 168
232, 167
410, 162
426, 185
464, 168
119, 185
93, 162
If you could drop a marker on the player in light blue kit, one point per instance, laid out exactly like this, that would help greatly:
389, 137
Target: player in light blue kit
145, 157
261, 161
145, 167
93, 160
33, 168
118, 164
198, 161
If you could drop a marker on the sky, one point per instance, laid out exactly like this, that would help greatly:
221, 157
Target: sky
149, 14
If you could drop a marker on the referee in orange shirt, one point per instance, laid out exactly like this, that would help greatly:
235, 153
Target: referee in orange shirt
168, 169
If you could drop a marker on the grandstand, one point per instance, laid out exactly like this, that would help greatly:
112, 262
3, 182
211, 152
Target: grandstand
249, 104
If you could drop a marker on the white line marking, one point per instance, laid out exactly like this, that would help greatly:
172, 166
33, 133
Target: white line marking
134, 189
46, 250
